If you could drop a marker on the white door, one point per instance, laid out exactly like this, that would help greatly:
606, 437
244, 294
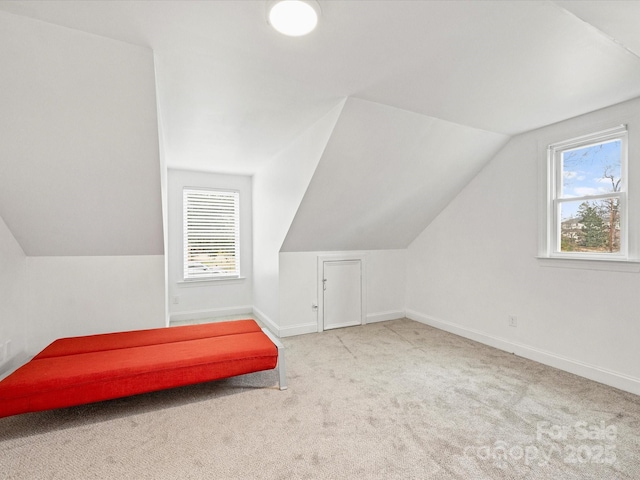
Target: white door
342, 298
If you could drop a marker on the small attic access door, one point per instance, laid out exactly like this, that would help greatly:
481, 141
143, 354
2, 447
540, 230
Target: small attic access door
341, 293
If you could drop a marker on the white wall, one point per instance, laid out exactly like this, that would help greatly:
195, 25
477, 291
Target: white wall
379, 165
80, 189
277, 192
476, 264
13, 295
384, 287
78, 142
70, 296
44, 298
216, 297
386, 284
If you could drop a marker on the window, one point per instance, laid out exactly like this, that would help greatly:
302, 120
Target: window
211, 234
587, 202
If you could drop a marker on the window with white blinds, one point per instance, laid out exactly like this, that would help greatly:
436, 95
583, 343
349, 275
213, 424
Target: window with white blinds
211, 234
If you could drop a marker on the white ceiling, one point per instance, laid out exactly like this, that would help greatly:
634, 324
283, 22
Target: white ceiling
232, 92
79, 169
384, 175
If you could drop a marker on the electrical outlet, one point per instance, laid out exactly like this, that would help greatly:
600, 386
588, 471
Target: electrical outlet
513, 321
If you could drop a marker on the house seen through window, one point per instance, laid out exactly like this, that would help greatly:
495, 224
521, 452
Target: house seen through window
588, 196
211, 234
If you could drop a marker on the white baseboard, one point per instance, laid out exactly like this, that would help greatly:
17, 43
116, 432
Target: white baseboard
313, 327
266, 320
299, 330
384, 316
211, 313
592, 372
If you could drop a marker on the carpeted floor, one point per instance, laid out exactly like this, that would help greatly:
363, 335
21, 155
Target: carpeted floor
391, 400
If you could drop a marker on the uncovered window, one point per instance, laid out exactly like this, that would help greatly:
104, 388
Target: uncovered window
211, 234
587, 203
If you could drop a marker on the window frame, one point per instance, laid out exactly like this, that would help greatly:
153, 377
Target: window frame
554, 198
236, 274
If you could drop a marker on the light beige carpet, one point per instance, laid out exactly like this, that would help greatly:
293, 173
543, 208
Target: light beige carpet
392, 400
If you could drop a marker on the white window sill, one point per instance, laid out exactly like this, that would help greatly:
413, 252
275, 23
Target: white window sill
203, 282
610, 265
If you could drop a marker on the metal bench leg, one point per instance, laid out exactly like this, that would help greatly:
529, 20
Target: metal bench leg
282, 374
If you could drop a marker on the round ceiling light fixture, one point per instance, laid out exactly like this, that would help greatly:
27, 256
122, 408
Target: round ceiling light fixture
294, 17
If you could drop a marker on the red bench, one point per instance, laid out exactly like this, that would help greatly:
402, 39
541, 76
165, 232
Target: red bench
78, 370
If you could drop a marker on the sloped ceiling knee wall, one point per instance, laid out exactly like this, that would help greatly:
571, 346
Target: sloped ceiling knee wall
79, 161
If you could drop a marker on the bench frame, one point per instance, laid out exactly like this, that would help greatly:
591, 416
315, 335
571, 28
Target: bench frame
77, 370
282, 374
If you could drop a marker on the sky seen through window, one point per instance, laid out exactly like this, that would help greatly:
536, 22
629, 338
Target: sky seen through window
589, 171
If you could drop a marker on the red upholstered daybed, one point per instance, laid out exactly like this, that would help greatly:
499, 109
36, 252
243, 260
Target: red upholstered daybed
78, 370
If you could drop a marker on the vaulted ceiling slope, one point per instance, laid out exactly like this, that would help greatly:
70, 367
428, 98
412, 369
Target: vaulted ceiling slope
384, 175
232, 92
79, 164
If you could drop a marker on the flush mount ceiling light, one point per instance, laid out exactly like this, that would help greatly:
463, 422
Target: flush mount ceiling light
293, 17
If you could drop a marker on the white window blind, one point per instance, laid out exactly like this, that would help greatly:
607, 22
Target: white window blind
211, 233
